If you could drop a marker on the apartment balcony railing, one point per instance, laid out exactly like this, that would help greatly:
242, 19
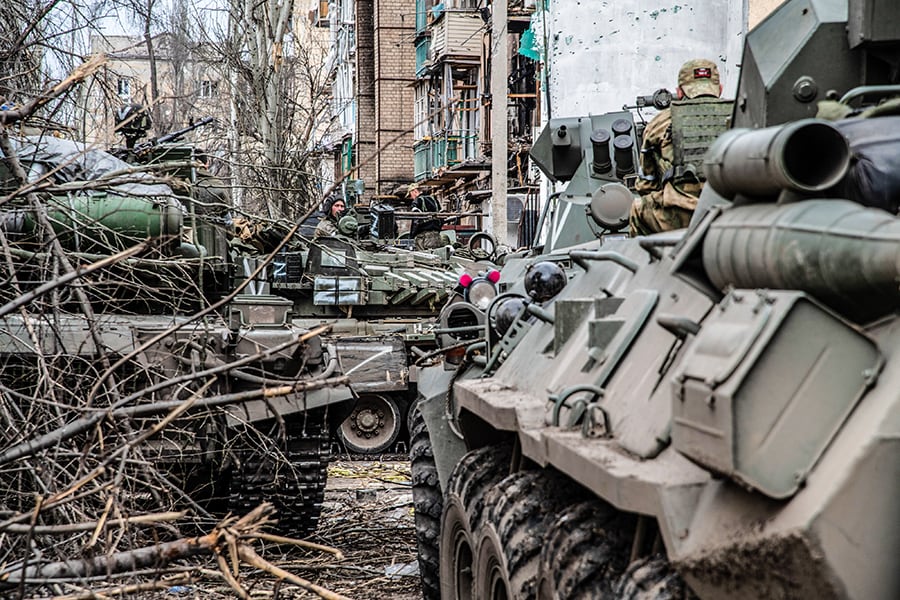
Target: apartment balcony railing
423, 56
444, 151
421, 17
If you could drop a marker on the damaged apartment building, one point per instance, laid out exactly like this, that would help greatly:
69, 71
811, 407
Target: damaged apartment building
413, 96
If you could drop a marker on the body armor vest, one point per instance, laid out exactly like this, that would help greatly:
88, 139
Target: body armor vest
695, 125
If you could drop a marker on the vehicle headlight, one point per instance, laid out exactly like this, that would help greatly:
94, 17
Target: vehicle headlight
480, 293
544, 280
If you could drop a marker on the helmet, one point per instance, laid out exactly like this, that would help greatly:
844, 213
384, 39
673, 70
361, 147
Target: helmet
329, 202
133, 120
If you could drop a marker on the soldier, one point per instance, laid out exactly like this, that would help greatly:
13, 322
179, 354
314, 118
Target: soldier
668, 196
426, 233
327, 226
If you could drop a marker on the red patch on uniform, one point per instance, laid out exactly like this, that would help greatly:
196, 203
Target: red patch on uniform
702, 73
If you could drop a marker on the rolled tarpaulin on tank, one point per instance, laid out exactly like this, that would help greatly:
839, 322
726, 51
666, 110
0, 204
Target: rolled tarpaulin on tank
805, 156
843, 254
104, 222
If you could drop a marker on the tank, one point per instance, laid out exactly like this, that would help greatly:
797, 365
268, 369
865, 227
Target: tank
122, 291
381, 302
706, 413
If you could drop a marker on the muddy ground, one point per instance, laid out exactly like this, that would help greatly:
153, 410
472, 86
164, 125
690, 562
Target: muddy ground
368, 516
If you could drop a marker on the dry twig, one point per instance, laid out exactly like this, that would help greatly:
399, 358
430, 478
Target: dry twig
231, 537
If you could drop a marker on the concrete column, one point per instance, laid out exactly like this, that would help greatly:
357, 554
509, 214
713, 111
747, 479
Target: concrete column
496, 222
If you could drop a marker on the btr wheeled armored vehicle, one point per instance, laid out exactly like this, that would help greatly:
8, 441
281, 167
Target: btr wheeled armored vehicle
711, 412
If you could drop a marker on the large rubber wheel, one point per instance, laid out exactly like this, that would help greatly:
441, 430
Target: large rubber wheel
428, 503
523, 505
373, 426
463, 514
651, 578
585, 552
291, 475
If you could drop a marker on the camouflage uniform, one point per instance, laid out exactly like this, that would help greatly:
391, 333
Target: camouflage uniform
325, 228
667, 202
428, 240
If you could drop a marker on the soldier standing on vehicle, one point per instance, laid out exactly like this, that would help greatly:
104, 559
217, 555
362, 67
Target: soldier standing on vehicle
332, 208
669, 191
426, 233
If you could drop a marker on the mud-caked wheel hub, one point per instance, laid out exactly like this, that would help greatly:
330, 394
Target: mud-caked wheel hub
372, 426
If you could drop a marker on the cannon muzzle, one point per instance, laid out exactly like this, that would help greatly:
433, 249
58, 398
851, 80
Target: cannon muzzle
804, 156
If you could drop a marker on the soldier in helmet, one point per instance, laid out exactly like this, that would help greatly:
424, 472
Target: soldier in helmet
333, 207
133, 122
668, 197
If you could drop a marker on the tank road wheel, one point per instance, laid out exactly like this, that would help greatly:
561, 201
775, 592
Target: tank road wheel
585, 552
464, 511
428, 503
651, 578
522, 507
372, 426
292, 479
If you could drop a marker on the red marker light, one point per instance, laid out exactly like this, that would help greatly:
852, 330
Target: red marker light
493, 276
465, 279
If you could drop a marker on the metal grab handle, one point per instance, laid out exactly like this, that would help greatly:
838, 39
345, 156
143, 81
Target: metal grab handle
560, 399
583, 258
881, 90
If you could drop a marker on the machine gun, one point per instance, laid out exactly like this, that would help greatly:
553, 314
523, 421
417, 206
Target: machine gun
172, 136
661, 99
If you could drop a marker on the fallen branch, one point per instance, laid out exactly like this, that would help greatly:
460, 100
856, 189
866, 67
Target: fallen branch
252, 558
78, 426
118, 562
270, 392
148, 519
277, 539
228, 541
124, 590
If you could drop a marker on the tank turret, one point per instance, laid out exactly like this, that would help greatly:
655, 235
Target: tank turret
130, 289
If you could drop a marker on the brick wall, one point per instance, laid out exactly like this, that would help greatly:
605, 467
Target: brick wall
365, 93
394, 74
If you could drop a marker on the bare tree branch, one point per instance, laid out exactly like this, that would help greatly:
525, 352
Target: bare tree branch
86, 69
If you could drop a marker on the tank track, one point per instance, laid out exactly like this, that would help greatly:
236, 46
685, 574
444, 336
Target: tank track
292, 480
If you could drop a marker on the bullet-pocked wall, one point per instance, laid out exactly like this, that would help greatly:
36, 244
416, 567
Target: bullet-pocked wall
602, 54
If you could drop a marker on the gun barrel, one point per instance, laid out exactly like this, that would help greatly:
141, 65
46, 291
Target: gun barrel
805, 156
844, 254
175, 135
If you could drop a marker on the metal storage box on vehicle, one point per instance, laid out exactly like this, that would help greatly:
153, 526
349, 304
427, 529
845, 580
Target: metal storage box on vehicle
769, 380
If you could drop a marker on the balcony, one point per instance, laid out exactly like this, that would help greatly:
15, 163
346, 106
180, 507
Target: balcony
423, 56
437, 155
456, 33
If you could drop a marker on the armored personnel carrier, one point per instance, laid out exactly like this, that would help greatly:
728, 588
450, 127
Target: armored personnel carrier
709, 413
121, 307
